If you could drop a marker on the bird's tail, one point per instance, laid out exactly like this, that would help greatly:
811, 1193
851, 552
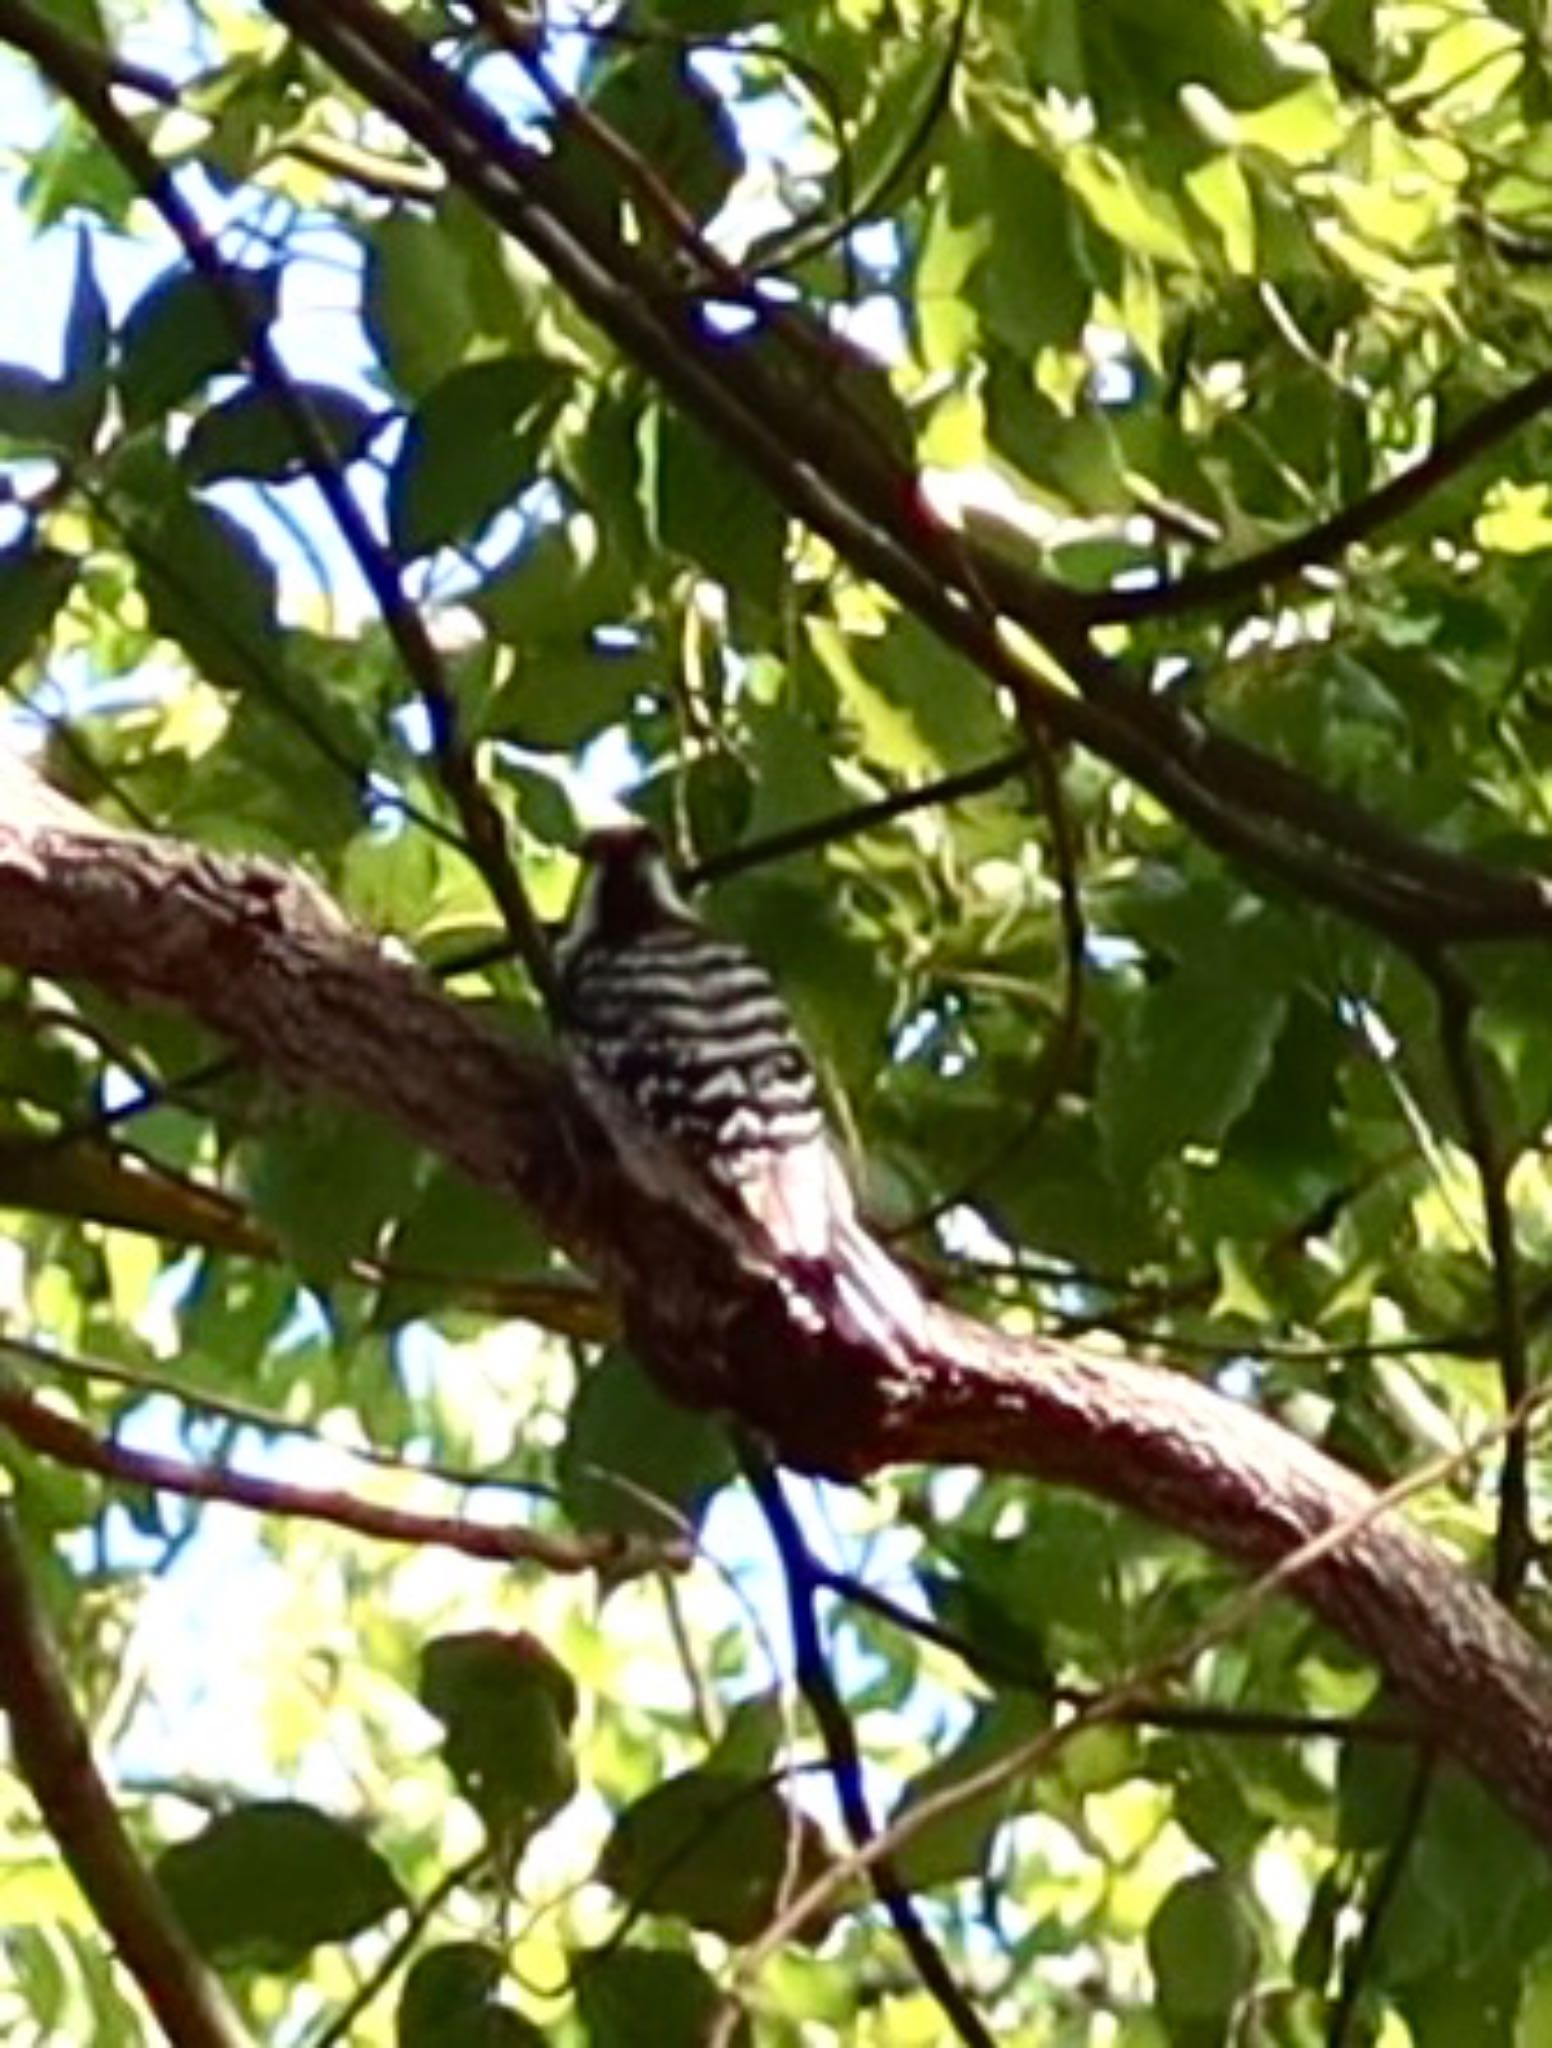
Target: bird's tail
876, 1302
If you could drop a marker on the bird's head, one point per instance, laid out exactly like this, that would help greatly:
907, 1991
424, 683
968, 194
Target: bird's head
626, 888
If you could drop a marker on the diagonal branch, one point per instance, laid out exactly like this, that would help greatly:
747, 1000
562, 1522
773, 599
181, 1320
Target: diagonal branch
57, 1436
264, 959
800, 1572
1320, 545
53, 1754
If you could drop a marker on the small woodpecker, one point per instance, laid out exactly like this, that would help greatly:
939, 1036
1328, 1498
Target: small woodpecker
687, 1030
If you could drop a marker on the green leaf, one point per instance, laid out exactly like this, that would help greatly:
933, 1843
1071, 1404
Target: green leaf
84, 387
918, 707
665, 112
1203, 1948
719, 1851
635, 1461
452, 1234
252, 433
271, 1881
959, 1843
508, 1707
449, 2001
998, 200
1129, 207
35, 581
703, 504
416, 301
210, 588
35, 412
563, 696
617, 1987
82, 19
181, 332
1191, 1054
471, 447
327, 1179
1533, 2021
556, 587
998, 1645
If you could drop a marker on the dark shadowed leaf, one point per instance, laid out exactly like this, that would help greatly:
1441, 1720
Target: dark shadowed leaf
1197, 1045
181, 332
508, 1707
450, 2001
417, 301
35, 581
452, 1234
1203, 1947
36, 413
254, 433
327, 1179
618, 1987
706, 506
271, 1881
959, 1844
470, 448
84, 385
719, 1851
635, 1461
210, 588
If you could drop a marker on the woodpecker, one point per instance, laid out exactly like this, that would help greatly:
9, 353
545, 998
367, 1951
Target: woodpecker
689, 1032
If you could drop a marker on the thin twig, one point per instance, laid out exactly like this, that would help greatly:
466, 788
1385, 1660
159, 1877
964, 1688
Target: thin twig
56, 1436
340, 2027
1360, 1957
1179, 1716
859, 818
800, 1576
251, 1415
1321, 545
1457, 1002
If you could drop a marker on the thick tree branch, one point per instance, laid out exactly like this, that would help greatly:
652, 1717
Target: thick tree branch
264, 959
54, 1756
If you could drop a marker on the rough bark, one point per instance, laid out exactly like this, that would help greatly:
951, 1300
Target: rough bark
264, 959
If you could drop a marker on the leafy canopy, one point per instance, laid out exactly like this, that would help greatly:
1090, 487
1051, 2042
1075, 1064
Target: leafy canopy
1141, 287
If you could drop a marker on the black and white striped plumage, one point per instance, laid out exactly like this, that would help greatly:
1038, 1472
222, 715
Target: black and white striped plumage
689, 1031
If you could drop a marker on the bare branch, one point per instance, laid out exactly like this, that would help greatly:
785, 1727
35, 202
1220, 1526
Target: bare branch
53, 1755
56, 1436
801, 1575
1327, 540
